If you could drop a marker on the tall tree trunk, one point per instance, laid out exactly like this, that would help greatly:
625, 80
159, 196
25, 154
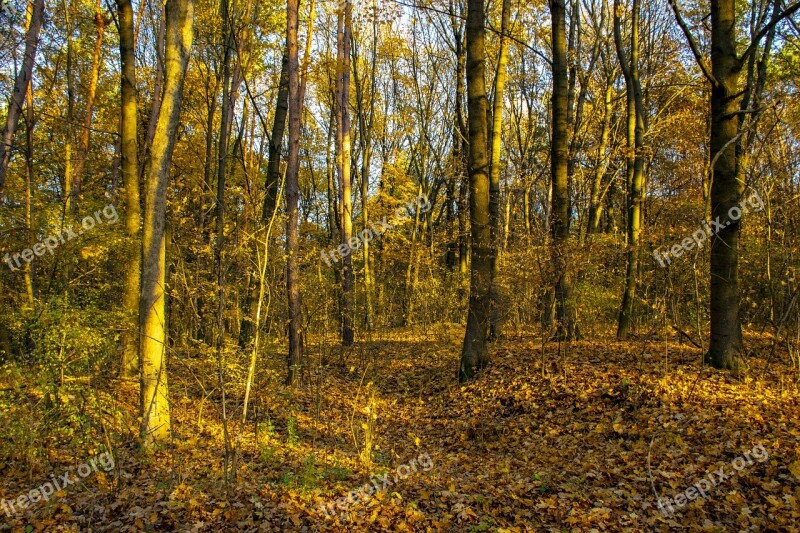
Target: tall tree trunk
366, 112
21, 83
295, 356
559, 160
68, 192
474, 356
156, 425
495, 169
635, 160
276, 142
94, 76
30, 234
226, 119
343, 163
603, 160
129, 153
725, 349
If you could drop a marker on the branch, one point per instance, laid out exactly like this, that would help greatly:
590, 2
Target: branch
777, 18
489, 26
693, 44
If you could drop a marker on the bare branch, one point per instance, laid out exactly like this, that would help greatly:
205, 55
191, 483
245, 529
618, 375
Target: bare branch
777, 18
693, 44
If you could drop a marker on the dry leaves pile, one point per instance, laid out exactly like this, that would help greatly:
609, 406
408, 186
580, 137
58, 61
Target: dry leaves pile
583, 437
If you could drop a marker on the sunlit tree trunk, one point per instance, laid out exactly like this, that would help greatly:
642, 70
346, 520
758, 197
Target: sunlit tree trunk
635, 160
474, 354
295, 357
94, 76
21, 83
559, 216
129, 154
495, 168
343, 164
153, 342
30, 234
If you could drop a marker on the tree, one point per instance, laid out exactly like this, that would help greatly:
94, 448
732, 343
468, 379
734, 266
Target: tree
153, 341
635, 159
725, 347
295, 357
495, 168
343, 165
474, 356
559, 160
21, 82
129, 155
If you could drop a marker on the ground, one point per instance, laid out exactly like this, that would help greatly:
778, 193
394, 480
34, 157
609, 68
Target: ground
579, 437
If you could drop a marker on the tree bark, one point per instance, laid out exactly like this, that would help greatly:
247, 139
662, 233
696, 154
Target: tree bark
725, 348
156, 425
474, 356
94, 76
21, 83
129, 154
559, 158
343, 163
635, 161
495, 169
295, 356
275, 143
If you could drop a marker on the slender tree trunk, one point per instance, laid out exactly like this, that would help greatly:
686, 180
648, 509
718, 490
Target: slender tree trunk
155, 104
276, 142
474, 356
635, 160
30, 234
129, 153
154, 388
495, 169
343, 163
21, 83
365, 123
226, 119
295, 357
94, 76
597, 194
69, 130
559, 158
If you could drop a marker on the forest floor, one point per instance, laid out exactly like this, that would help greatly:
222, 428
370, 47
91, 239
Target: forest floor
579, 437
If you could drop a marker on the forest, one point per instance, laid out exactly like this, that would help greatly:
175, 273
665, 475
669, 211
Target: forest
399, 265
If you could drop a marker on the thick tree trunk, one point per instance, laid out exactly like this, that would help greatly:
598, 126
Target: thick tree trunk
559, 160
153, 341
130, 177
21, 84
295, 357
474, 356
726, 191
